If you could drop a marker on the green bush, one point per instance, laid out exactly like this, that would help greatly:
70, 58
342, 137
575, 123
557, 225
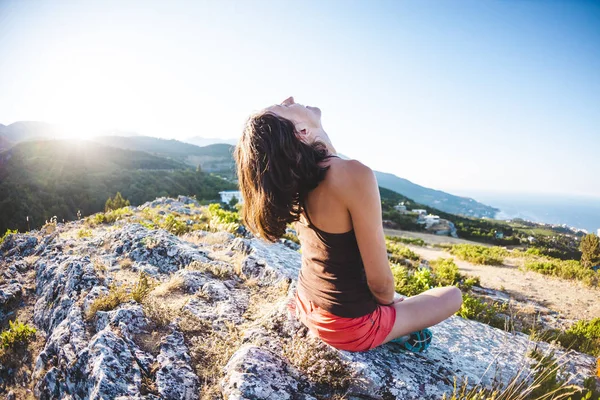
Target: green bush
411, 283
480, 254
402, 251
221, 219
569, 269
406, 240
446, 272
174, 225
479, 310
116, 203
18, 333
583, 336
84, 233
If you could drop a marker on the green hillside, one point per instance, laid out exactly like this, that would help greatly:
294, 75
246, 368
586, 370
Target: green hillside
435, 198
212, 158
43, 179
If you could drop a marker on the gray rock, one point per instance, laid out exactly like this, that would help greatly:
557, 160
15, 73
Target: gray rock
10, 296
175, 378
256, 373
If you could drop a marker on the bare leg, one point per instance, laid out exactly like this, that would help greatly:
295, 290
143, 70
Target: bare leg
425, 310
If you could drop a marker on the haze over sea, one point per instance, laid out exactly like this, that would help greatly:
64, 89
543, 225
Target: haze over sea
575, 211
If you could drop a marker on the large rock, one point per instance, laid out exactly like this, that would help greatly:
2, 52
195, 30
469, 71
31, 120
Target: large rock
103, 357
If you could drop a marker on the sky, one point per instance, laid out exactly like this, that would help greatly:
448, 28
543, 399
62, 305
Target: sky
462, 96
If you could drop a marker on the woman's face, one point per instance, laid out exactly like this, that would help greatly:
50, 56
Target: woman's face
304, 117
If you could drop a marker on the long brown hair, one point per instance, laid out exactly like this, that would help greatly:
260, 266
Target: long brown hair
275, 171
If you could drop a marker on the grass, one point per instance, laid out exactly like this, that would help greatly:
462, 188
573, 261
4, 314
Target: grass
480, 254
541, 382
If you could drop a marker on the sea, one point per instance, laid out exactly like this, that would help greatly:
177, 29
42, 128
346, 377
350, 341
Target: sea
574, 211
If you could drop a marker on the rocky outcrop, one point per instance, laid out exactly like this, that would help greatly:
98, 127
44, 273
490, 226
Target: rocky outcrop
221, 295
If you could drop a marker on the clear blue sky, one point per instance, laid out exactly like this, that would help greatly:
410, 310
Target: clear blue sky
456, 95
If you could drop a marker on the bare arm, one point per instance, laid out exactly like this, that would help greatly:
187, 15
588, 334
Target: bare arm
361, 195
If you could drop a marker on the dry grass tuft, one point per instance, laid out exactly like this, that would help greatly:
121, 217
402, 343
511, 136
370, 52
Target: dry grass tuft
210, 352
321, 364
176, 283
126, 263
115, 297
217, 270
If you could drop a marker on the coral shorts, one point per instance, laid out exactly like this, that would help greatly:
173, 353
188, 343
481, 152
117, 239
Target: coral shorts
351, 334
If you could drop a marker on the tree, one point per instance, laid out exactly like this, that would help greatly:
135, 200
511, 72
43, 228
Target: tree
116, 203
590, 250
233, 202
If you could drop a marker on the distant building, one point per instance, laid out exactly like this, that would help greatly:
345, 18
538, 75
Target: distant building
428, 220
227, 195
598, 232
420, 211
401, 208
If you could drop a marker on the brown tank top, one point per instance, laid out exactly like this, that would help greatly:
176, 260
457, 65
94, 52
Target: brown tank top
332, 274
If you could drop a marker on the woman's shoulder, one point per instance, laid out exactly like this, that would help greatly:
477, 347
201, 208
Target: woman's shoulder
348, 172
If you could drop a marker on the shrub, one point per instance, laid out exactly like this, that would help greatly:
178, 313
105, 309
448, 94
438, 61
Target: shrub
406, 240
174, 225
569, 269
402, 251
478, 310
142, 288
583, 336
480, 254
84, 233
18, 334
411, 283
446, 272
116, 203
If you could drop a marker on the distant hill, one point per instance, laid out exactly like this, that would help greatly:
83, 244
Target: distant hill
200, 141
435, 198
28, 130
212, 158
41, 179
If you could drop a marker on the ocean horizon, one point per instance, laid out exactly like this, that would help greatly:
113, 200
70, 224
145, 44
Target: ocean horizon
574, 211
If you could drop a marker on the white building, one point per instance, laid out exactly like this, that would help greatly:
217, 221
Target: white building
598, 232
420, 211
400, 208
431, 220
227, 195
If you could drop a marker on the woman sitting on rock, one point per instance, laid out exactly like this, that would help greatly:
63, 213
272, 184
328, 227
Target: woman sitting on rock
289, 172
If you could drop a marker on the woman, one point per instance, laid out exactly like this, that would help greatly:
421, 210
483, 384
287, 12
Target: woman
289, 172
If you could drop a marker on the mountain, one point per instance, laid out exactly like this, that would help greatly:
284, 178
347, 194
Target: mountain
42, 179
200, 141
212, 158
435, 198
28, 130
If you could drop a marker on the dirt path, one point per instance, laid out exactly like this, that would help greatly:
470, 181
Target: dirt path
572, 299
